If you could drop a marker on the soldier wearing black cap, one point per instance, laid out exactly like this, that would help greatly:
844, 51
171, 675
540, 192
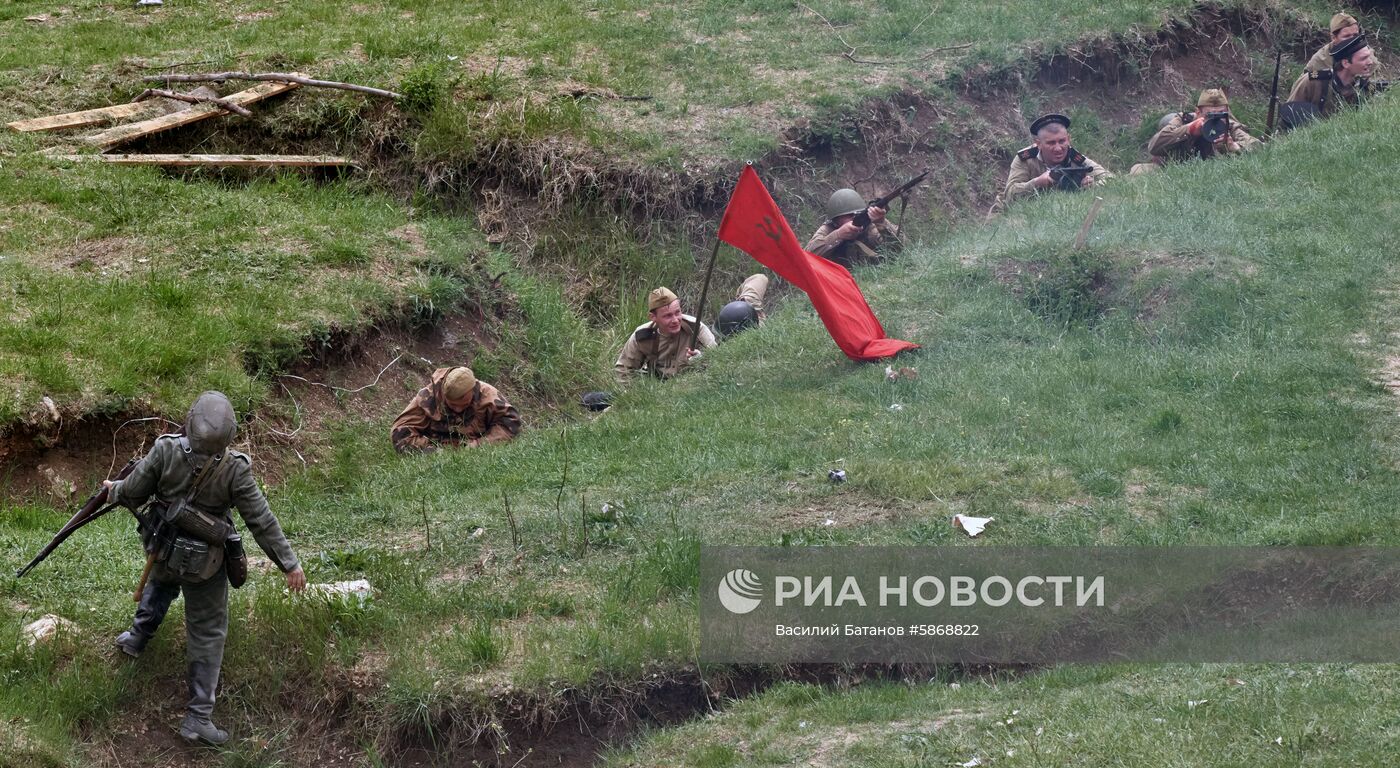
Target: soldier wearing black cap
1322, 94
1049, 163
1343, 27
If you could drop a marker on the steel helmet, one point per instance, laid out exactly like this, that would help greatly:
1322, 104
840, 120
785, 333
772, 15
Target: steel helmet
844, 201
735, 317
211, 424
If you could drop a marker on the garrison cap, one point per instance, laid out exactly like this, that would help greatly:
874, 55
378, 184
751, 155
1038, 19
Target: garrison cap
459, 383
659, 298
1212, 97
1341, 21
1047, 119
1346, 48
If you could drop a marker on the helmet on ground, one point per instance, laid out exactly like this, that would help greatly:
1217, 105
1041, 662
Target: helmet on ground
735, 317
844, 201
210, 424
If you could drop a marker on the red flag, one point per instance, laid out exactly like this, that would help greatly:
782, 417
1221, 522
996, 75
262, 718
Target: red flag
753, 224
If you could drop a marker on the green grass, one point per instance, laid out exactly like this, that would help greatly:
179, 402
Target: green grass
1206, 715
1205, 374
1216, 393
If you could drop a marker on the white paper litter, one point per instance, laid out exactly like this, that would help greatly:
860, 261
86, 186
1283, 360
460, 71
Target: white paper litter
973, 763
358, 589
973, 525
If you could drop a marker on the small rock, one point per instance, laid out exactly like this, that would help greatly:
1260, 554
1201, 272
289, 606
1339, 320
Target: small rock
46, 628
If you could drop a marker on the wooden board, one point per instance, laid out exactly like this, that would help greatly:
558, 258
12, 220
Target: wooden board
141, 109
237, 161
124, 133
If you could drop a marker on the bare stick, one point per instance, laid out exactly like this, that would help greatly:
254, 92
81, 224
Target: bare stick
342, 389
510, 521
123, 424
427, 529
281, 77
850, 49
1088, 224
563, 476
192, 99
925, 57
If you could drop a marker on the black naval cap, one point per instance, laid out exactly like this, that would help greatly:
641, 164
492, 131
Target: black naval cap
1044, 120
1346, 48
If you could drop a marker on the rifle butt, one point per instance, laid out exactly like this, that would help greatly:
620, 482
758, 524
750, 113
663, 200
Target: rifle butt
145, 576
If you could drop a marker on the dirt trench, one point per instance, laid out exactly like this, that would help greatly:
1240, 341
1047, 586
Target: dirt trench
965, 135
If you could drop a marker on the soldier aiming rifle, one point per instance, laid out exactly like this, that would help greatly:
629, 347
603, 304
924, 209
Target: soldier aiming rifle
856, 229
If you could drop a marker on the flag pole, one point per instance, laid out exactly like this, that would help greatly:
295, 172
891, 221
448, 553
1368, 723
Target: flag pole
704, 294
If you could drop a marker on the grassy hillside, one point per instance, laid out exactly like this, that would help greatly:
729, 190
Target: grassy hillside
1209, 371
210, 280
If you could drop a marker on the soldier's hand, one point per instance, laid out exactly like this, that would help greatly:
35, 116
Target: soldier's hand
847, 231
876, 215
1087, 181
692, 353
474, 442
296, 579
1043, 180
106, 485
1194, 127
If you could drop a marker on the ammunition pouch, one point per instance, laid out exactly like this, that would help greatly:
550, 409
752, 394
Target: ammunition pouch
201, 525
235, 561
188, 556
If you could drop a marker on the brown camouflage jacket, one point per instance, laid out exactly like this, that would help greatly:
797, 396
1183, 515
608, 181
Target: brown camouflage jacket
427, 423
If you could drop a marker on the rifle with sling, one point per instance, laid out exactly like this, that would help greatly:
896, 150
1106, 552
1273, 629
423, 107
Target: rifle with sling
96, 506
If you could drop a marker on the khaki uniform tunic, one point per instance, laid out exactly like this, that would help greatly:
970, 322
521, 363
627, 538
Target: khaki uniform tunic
1320, 60
1314, 86
848, 253
1174, 142
1027, 166
428, 423
648, 349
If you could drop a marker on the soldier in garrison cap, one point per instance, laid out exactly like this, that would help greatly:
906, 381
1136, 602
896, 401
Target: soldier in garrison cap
1344, 27
191, 479
455, 409
1049, 163
1322, 94
839, 239
1208, 132
661, 346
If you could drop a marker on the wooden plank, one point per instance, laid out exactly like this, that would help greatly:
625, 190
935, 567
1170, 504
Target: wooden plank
124, 133
236, 161
142, 109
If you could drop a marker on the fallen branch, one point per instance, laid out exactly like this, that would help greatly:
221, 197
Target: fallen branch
190, 98
280, 77
925, 57
342, 389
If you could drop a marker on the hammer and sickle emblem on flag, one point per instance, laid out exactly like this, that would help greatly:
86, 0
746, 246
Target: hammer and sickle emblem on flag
770, 229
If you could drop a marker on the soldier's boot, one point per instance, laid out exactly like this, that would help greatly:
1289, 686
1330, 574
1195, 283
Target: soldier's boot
197, 727
150, 612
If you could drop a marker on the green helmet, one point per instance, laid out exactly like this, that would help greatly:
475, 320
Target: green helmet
736, 316
1166, 119
844, 201
210, 425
